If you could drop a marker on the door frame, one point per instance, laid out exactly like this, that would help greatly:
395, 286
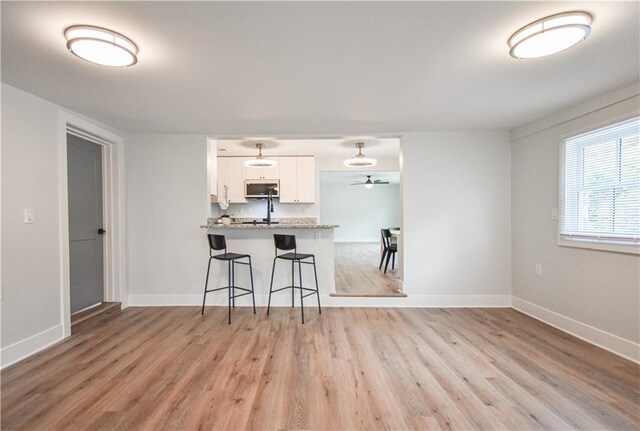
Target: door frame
113, 210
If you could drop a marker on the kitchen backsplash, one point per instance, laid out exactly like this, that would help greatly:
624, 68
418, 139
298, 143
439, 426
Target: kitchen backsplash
291, 220
258, 209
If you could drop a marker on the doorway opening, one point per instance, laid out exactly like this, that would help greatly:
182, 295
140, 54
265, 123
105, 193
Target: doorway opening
86, 224
91, 220
366, 205
357, 246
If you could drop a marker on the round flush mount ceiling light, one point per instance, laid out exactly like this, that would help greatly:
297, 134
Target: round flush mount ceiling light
101, 46
260, 161
549, 35
360, 160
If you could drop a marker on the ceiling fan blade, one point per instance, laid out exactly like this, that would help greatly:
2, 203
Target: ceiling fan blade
380, 182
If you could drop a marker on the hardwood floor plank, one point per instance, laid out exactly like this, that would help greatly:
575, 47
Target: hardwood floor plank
357, 273
356, 369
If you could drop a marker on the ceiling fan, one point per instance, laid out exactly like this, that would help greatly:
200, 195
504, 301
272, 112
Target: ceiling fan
368, 184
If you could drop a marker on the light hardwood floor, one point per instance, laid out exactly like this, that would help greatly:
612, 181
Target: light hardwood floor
357, 273
171, 369
104, 308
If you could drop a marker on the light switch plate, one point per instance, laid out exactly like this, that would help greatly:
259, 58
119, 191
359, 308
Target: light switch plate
317, 236
554, 213
538, 269
28, 215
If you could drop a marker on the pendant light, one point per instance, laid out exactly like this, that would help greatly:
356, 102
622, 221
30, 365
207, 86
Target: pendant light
550, 34
260, 161
360, 160
101, 46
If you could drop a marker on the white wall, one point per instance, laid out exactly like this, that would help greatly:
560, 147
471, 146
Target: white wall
456, 216
31, 253
166, 204
456, 219
596, 288
360, 212
31, 294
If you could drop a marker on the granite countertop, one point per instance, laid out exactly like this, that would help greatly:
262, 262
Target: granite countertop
271, 226
282, 223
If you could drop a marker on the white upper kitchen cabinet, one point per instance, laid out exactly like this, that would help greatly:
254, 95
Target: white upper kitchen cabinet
297, 179
231, 174
306, 179
271, 173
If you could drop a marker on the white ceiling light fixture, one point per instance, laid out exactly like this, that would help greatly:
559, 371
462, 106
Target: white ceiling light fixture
260, 161
368, 184
549, 35
360, 160
101, 46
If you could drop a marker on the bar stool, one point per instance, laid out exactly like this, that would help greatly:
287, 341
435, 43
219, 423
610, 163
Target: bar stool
288, 243
217, 243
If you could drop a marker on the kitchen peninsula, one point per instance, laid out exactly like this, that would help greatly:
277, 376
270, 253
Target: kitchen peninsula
245, 236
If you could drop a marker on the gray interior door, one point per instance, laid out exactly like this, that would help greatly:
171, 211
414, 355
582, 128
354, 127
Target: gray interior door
84, 170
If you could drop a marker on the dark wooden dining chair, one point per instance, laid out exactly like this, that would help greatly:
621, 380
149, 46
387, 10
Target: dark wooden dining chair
394, 239
389, 250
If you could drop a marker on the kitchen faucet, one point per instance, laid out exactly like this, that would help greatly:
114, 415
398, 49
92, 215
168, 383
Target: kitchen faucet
269, 204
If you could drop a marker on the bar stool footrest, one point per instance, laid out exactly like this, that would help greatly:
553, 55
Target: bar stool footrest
294, 287
229, 287
242, 294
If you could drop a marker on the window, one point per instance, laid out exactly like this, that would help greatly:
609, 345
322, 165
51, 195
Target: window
600, 191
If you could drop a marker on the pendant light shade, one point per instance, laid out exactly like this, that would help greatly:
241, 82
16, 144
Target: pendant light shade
549, 35
360, 160
101, 46
260, 161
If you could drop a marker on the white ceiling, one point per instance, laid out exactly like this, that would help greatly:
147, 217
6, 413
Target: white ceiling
343, 147
346, 178
316, 68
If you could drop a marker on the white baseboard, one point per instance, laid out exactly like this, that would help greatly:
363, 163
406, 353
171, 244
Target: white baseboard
605, 340
169, 300
421, 301
369, 240
283, 299
24, 348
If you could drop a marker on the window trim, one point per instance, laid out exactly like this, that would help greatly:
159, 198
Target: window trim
627, 246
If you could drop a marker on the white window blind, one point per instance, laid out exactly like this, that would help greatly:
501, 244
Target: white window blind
600, 190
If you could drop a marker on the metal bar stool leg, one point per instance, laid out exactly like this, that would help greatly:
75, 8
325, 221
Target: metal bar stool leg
315, 272
229, 290
301, 291
253, 297
206, 282
233, 283
293, 282
273, 270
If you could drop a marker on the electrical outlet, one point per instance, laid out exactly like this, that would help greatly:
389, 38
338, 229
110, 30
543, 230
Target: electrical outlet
538, 269
28, 215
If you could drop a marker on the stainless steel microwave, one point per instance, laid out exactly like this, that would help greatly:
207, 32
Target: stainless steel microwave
261, 188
